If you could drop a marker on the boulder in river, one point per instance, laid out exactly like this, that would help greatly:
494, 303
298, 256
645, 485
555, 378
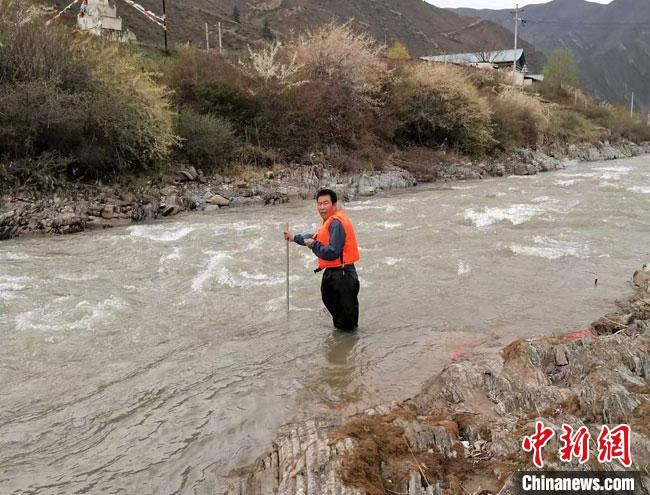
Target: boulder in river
641, 278
218, 200
107, 212
171, 205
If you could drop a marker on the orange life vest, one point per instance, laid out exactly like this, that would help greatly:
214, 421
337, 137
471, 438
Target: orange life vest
350, 249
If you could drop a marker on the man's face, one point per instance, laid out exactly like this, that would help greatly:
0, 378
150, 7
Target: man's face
325, 207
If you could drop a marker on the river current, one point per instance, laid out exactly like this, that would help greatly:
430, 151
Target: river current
154, 359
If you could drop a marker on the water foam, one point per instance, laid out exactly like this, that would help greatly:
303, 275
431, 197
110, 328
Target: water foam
544, 199
281, 303
258, 278
515, 214
10, 286
174, 255
55, 316
215, 264
639, 189
462, 268
239, 226
392, 261
610, 176
585, 175
388, 225
166, 258
363, 206
565, 183
603, 173
9, 256
253, 245
216, 269
246, 280
243, 226
609, 185
618, 170
159, 233
551, 249
308, 259
97, 311
81, 277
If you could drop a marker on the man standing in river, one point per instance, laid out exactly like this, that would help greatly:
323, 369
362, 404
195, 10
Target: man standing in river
335, 245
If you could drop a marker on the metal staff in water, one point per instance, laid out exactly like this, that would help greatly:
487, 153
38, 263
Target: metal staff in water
286, 230
335, 246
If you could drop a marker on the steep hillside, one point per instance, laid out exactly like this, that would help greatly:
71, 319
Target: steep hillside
546, 22
423, 28
611, 42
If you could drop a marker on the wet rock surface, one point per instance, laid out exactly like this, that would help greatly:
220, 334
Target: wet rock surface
463, 432
189, 189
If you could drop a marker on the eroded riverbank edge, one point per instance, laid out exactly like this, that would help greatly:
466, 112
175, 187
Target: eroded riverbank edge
99, 207
463, 433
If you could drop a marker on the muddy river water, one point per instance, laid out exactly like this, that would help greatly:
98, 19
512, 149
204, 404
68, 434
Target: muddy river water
155, 358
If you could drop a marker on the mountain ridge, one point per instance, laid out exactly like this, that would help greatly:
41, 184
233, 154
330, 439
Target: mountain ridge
423, 28
611, 42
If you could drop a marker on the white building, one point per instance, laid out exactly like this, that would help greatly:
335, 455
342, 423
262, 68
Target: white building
497, 59
99, 17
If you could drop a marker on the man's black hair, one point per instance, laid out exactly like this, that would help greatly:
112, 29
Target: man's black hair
327, 192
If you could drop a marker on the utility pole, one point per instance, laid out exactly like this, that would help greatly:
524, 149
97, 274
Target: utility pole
514, 62
165, 26
632, 106
207, 38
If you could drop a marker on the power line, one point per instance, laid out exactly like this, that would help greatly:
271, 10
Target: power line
457, 30
582, 23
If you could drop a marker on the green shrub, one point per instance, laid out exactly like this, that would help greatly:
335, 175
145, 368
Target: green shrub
435, 106
622, 125
145, 129
81, 99
208, 142
191, 68
519, 119
229, 103
487, 81
259, 157
398, 51
38, 116
7, 179
569, 126
45, 172
29, 52
561, 70
331, 114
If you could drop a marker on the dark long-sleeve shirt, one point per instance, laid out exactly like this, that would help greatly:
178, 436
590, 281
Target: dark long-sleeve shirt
331, 251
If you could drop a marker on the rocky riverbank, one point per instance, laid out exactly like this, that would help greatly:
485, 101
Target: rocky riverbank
462, 434
97, 207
